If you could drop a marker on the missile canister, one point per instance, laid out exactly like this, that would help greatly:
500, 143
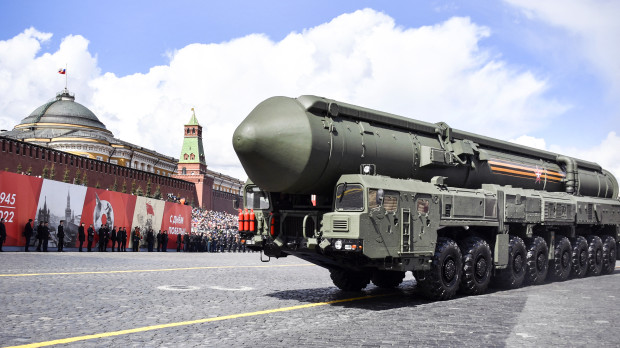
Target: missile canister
303, 145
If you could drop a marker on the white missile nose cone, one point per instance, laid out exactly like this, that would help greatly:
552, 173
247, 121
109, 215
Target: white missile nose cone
244, 138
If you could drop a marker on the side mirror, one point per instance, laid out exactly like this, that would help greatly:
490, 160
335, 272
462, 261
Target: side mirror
380, 195
236, 203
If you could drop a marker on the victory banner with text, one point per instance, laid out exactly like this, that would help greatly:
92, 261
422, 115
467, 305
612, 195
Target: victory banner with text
24, 197
19, 195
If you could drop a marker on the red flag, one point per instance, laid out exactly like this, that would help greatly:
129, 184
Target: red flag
149, 209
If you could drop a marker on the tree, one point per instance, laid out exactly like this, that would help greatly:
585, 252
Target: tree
124, 187
45, 173
133, 187
52, 172
19, 168
97, 185
29, 170
77, 179
84, 179
148, 187
114, 186
157, 194
65, 175
139, 191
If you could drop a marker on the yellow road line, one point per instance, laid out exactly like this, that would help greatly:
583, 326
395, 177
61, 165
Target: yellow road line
148, 270
190, 322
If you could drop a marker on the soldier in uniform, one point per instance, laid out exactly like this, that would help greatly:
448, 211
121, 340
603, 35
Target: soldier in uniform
100, 234
179, 241
39, 235
123, 238
136, 239
214, 242
164, 241
2, 233
45, 236
28, 233
91, 237
159, 241
186, 240
209, 242
229, 241
81, 235
203, 243
114, 238
60, 233
106, 237
150, 239
237, 245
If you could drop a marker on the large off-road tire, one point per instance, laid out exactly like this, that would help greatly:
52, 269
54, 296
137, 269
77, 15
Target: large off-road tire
442, 281
579, 257
513, 275
609, 254
387, 279
562, 255
477, 265
537, 261
349, 280
595, 255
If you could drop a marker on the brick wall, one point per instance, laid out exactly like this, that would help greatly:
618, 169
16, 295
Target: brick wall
14, 153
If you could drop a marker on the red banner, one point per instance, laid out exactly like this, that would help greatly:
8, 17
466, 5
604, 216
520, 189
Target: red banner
19, 195
177, 221
24, 197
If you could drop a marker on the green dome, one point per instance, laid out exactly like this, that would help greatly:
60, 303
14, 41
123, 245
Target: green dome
64, 111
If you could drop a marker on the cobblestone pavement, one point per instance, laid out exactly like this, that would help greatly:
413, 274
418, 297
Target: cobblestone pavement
236, 287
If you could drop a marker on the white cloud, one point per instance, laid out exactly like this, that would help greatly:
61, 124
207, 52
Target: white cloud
605, 153
526, 140
434, 73
28, 80
592, 24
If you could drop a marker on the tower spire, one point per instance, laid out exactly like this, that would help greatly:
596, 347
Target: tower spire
193, 151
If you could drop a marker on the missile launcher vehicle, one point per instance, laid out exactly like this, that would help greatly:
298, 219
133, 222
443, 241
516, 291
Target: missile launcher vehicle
371, 195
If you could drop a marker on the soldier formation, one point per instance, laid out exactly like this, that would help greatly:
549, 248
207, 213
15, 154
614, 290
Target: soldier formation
215, 232
218, 241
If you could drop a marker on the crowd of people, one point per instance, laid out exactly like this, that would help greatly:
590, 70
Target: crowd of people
203, 220
214, 231
211, 231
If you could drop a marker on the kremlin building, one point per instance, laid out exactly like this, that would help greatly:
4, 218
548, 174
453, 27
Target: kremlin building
68, 140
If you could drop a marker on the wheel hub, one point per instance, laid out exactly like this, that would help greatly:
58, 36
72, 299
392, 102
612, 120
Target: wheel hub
565, 260
449, 270
481, 268
583, 258
540, 262
599, 256
517, 265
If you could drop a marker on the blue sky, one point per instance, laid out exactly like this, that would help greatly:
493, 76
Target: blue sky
546, 75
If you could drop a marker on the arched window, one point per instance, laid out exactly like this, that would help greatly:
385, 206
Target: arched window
185, 156
184, 171
193, 130
192, 156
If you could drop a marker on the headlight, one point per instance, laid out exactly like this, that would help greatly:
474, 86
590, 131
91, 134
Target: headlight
338, 244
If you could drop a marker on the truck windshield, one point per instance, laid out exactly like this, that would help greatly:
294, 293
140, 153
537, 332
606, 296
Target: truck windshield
349, 197
256, 198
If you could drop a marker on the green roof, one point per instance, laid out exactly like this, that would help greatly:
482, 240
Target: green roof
192, 146
193, 121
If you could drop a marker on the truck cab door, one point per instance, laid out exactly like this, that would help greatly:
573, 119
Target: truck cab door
425, 220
